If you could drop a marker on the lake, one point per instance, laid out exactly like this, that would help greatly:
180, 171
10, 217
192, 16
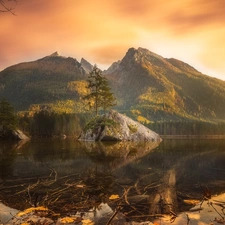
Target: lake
72, 177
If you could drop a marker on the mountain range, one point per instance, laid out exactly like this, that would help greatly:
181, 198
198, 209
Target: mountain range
147, 86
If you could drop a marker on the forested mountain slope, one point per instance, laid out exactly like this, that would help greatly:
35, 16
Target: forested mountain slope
44, 81
165, 89
147, 86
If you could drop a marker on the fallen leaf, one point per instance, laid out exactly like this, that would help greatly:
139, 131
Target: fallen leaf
32, 209
113, 197
87, 222
68, 219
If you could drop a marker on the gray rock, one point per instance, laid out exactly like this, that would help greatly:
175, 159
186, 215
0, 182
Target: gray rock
6, 213
115, 126
19, 135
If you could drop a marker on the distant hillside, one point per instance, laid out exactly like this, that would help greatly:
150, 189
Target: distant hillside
45, 81
156, 88
148, 87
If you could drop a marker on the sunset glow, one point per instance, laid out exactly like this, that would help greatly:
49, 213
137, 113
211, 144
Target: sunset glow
102, 31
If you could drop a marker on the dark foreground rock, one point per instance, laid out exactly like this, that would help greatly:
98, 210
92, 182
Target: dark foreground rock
13, 135
114, 126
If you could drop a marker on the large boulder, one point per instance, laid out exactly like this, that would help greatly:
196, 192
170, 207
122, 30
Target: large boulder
114, 126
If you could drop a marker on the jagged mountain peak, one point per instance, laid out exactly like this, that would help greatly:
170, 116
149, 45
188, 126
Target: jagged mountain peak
146, 80
159, 88
86, 65
139, 56
54, 54
55, 59
113, 67
141, 52
146, 52
142, 56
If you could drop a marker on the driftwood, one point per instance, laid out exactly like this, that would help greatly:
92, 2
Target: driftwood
75, 193
165, 199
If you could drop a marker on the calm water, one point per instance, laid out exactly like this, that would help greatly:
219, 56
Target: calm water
197, 164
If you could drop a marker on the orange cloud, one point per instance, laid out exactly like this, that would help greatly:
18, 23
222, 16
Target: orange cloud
108, 54
102, 31
213, 52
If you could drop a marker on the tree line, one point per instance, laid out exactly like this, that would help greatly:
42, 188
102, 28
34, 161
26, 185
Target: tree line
187, 127
47, 124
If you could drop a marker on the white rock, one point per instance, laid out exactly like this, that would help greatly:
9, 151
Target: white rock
122, 128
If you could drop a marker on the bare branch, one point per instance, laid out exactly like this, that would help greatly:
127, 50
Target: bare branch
5, 7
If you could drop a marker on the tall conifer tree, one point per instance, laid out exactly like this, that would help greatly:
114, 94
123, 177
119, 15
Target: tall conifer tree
108, 100
100, 95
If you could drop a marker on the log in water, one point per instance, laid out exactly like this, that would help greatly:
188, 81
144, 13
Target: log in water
165, 199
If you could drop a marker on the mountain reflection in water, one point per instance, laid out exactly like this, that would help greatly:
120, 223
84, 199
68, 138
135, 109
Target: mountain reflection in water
138, 168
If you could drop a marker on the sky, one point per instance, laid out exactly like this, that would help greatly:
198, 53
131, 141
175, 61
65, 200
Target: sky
101, 31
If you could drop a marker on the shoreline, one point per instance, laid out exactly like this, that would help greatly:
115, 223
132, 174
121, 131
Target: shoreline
168, 137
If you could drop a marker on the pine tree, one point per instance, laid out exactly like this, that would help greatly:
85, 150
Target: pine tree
100, 95
8, 118
108, 99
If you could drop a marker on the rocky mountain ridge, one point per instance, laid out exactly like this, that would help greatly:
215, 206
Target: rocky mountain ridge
43, 81
165, 88
147, 86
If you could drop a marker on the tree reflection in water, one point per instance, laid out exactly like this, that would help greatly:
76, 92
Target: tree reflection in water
69, 176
